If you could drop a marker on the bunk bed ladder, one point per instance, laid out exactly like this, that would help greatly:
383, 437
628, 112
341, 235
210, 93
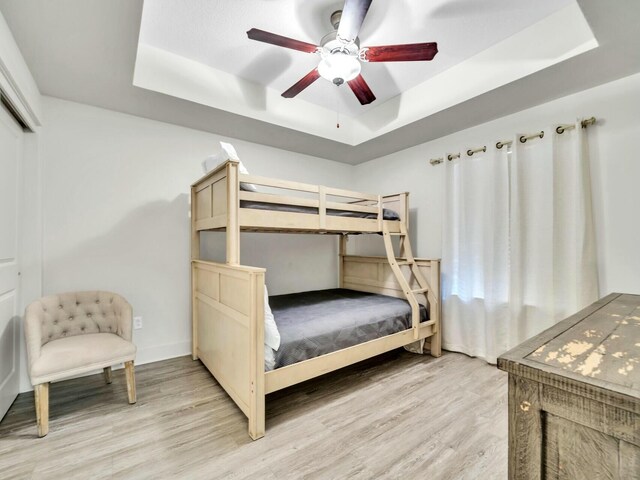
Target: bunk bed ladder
407, 259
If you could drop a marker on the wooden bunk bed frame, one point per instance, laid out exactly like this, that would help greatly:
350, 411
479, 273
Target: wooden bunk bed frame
227, 299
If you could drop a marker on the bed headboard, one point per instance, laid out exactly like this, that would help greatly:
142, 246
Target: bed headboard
374, 274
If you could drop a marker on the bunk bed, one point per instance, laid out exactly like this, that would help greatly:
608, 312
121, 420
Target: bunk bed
227, 299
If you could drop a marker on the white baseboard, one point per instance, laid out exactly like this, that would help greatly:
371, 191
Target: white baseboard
162, 352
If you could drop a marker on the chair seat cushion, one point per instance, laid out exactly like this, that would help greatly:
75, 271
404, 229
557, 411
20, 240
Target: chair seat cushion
72, 356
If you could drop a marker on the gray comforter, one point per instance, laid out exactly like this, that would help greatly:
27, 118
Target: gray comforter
315, 323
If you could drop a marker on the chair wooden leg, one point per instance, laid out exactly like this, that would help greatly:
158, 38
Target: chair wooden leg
107, 375
36, 398
41, 395
131, 381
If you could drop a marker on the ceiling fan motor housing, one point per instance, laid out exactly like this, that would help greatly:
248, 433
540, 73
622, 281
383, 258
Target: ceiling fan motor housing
335, 19
331, 43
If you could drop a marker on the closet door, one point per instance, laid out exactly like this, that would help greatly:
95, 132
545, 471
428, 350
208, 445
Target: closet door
11, 138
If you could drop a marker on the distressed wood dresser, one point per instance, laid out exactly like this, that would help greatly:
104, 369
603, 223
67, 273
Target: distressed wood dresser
574, 396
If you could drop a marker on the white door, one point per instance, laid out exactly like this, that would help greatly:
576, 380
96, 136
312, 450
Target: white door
10, 166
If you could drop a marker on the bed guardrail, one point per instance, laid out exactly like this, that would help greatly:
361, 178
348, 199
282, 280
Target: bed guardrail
317, 196
216, 204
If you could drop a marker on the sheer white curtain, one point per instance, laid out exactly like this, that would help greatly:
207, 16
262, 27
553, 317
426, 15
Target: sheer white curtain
553, 259
475, 258
518, 242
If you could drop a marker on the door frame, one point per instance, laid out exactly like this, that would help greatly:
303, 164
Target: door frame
12, 381
19, 90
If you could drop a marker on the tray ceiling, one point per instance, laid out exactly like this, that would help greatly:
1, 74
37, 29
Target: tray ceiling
214, 33
88, 51
198, 50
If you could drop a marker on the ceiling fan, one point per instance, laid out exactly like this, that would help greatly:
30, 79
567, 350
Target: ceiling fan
341, 54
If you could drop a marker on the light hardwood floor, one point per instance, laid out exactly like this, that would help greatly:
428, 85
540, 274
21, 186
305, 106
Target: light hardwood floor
399, 415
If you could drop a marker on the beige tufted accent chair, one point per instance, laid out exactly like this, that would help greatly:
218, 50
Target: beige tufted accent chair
71, 334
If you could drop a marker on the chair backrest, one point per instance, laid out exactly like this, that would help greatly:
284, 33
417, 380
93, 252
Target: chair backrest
76, 313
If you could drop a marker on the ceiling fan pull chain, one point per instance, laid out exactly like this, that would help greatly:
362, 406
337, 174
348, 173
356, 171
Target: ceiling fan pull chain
337, 108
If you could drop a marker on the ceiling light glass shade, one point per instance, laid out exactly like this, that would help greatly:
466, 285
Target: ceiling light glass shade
339, 66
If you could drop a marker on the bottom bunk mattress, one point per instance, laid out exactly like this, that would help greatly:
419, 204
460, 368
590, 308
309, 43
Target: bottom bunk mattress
324, 321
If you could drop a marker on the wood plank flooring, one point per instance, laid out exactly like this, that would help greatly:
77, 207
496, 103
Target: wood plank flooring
399, 415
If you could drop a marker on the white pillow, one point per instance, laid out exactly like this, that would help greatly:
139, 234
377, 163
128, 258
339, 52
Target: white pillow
271, 333
249, 187
269, 358
227, 152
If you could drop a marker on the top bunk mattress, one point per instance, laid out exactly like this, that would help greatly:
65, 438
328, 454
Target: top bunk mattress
386, 213
324, 321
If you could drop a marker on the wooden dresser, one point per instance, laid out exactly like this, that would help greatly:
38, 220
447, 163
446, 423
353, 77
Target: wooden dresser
574, 396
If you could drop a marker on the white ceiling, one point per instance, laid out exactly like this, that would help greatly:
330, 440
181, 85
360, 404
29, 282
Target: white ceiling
213, 32
85, 51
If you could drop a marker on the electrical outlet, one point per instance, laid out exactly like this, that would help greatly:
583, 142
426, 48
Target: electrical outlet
137, 323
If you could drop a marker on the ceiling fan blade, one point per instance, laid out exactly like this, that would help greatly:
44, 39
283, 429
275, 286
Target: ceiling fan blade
303, 83
411, 52
361, 90
272, 38
353, 14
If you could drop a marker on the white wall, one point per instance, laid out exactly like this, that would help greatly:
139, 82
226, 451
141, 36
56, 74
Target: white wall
116, 206
614, 165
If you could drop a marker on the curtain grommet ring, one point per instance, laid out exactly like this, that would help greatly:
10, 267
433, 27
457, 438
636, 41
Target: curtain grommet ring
523, 138
470, 152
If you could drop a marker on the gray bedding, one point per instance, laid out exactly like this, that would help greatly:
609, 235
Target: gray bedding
315, 323
386, 213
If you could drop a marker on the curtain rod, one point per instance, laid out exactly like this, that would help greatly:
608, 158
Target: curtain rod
560, 129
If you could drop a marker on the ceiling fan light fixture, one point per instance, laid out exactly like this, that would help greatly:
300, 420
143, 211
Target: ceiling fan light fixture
339, 67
